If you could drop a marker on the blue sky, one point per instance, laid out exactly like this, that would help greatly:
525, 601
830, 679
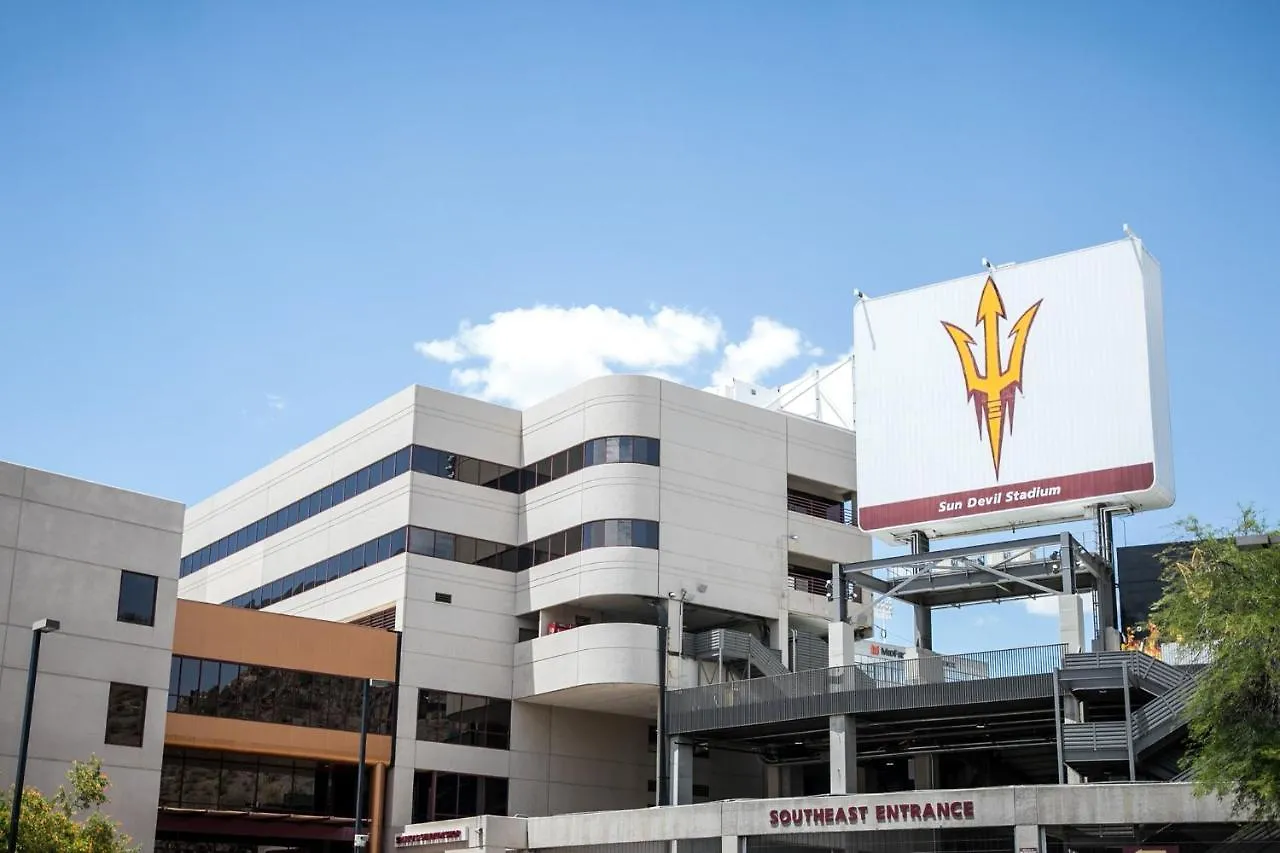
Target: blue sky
225, 226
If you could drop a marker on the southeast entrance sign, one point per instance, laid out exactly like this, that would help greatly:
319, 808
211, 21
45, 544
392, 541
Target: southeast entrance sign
881, 815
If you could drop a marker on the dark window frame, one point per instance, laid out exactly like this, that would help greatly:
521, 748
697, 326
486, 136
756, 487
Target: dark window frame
120, 730
144, 616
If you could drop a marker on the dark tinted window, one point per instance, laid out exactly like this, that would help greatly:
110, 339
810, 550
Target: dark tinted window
465, 720
126, 714
137, 600
197, 779
438, 795
211, 688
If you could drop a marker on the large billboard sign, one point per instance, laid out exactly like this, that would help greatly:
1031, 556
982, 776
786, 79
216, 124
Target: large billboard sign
1021, 395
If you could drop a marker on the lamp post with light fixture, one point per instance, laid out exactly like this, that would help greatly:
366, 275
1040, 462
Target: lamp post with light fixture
362, 840
38, 630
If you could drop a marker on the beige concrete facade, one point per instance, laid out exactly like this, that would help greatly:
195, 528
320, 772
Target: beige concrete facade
584, 699
64, 545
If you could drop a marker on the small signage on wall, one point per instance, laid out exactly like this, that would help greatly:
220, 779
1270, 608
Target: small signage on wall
411, 838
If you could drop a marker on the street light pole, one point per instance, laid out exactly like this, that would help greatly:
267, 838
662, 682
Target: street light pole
38, 630
361, 840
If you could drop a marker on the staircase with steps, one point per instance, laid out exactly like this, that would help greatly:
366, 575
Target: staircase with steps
723, 644
1155, 723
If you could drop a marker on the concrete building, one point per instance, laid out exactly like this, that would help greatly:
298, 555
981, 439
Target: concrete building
104, 563
533, 562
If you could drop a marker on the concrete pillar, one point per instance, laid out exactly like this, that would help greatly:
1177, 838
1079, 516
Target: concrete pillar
1028, 838
675, 640
840, 644
924, 771
1071, 623
731, 844
844, 754
681, 769
780, 635
777, 781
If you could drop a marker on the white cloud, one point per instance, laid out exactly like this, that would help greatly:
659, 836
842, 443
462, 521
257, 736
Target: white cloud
276, 403
525, 355
769, 346
447, 351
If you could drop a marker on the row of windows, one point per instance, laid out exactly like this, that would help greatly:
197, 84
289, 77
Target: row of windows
368, 477
437, 463
614, 532
464, 720
338, 566
236, 691
199, 779
447, 796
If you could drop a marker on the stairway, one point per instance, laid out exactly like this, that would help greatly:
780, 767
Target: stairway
1150, 728
809, 651
736, 646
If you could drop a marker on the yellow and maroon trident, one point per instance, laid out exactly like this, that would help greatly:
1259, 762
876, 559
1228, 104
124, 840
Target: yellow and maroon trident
992, 390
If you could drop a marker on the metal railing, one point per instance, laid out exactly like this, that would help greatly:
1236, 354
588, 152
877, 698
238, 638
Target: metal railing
1162, 715
840, 513
1094, 737
933, 681
814, 586
822, 586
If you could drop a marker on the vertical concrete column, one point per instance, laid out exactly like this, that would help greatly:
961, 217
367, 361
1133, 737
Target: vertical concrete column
781, 639
840, 644
777, 781
924, 772
731, 844
675, 640
1028, 838
1071, 623
681, 768
844, 754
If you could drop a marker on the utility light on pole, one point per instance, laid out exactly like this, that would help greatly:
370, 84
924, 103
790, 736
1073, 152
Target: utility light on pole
38, 630
361, 839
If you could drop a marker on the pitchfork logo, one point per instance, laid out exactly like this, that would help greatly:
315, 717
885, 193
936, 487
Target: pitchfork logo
992, 389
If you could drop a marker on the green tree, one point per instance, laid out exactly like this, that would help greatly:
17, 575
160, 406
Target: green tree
1224, 601
71, 821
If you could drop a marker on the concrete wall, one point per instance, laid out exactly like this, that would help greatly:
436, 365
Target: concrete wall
719, 496
63, 545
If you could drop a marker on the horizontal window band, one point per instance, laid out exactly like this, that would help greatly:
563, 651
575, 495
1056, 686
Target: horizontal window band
605, 533
237, 691
436, 463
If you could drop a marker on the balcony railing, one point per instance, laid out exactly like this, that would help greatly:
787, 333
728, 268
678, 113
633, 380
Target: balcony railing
840, 513
940, 681
821, 586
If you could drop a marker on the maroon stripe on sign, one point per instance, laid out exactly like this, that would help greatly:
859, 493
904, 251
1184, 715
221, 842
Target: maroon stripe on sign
1009, 496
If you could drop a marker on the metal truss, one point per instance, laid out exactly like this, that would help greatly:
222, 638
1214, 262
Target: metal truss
1017, 568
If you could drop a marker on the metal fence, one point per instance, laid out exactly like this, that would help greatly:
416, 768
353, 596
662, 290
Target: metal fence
934, 681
